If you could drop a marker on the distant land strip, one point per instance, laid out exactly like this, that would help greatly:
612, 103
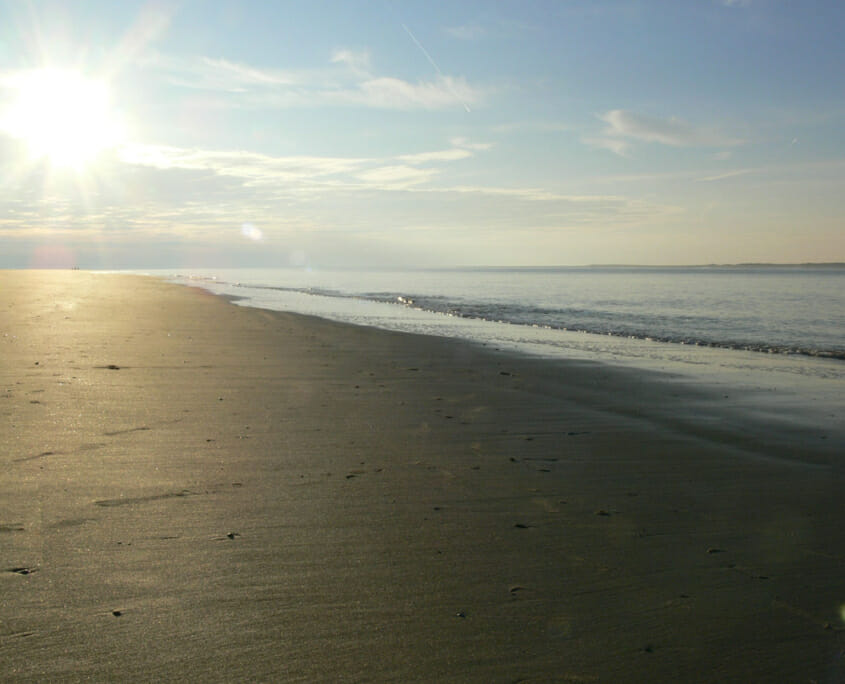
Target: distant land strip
832, 265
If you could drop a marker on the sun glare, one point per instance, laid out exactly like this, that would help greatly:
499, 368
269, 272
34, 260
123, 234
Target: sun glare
62, 116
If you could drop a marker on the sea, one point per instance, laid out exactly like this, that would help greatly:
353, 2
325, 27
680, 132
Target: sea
776, 332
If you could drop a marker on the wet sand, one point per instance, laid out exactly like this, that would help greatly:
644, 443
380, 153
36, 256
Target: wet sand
195, 491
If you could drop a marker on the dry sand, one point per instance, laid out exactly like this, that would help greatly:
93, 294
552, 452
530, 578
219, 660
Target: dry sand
195, 491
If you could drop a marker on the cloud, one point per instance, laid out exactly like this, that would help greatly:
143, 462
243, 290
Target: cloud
394, 93
673, 131
735, 3
454, 154
726, 174
466, 32
615, 145
529, 194
461, 149
543, 126
799, 172
243, 75
148, 204
623, 127
347, 80
250, 168
301, 174
255, 168
338, 174
396, 176
526, 208
152, 21
219, 75
466, 144
358, 61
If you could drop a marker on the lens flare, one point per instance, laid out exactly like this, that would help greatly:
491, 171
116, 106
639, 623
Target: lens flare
248, 230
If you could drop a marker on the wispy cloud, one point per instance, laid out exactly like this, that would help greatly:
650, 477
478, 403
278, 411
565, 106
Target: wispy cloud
546, 209
454, 154
396, 177
624, 127
466, 31
615, 145
357, 60
726, 174
245, 76
259, 169
218, 75
151, 22
468, 145
394, 93
252, 168
672, 131
527, 194
189, 194
348, 79
542, 126
305, 174
597, 204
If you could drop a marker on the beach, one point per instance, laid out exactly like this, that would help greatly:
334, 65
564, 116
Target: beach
196, 491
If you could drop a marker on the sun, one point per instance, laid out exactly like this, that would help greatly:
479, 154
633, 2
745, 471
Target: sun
62, 116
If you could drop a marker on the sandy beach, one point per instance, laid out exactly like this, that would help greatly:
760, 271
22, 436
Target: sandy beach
196, 491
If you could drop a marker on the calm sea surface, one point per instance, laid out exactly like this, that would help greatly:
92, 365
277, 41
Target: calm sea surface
765, 328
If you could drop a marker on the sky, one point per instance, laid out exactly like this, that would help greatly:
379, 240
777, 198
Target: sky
396, 134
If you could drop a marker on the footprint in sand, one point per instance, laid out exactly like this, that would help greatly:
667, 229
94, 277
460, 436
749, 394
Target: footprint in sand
11, 527
107, 503
126, 432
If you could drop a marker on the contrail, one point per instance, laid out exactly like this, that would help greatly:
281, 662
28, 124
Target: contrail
424, 51
432, 62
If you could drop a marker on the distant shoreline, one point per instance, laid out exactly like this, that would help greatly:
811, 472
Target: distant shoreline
821, 266
833, 265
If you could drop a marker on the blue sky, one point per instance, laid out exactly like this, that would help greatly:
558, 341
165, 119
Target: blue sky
381, 134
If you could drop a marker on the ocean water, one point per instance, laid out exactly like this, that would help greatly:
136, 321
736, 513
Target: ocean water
777, 332
780, 310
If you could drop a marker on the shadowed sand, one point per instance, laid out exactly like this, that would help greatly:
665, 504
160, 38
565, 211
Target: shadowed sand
194, 491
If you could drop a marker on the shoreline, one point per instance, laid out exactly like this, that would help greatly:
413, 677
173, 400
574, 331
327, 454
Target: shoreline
791, 385
201, 491
798, 418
